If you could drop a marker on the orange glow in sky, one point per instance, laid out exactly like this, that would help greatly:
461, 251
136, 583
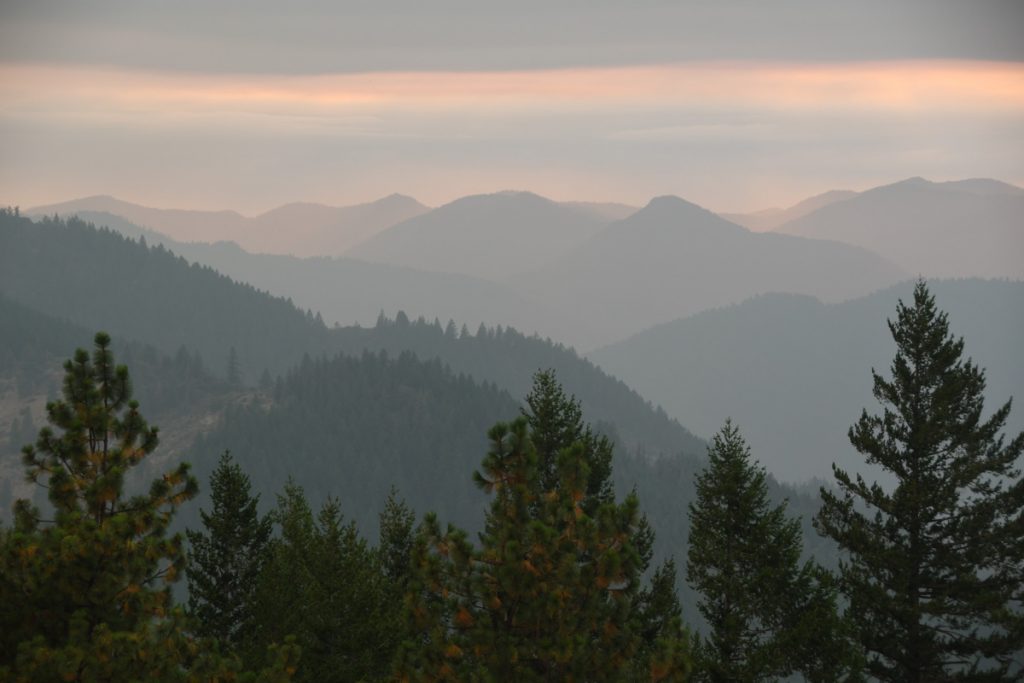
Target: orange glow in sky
733, 135
892, 86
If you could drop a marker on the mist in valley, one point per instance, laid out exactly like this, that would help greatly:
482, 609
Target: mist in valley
486, 343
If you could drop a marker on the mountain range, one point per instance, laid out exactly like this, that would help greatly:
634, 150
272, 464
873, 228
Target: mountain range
674, 258
496, 236
772, 218
590, 274
795, 373
301, 228
967, 228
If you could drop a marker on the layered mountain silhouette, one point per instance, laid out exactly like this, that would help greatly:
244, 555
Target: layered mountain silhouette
955, 229
99, 279
795, 373
769, 219
302, 229
348, 291
674, 258
490, 236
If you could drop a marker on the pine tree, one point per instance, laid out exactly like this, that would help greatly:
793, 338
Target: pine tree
233, 374
226, 557
86, 596
935, 575
397, 525
764, 609
552, 591
323, 584
556, 421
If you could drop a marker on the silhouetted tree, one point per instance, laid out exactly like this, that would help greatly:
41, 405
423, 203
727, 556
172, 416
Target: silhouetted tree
935, 575
226, 557
768, 616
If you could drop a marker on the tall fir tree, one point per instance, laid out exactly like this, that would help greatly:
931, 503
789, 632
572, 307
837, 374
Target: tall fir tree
323, 584
397, 534
935, 568
556, 421
552, 591
226, 557
86, 596
768, 615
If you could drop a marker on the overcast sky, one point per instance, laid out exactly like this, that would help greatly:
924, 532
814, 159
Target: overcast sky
733, 105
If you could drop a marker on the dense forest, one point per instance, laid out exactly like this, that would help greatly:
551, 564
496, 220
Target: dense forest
435, 408
559, 583
413, 501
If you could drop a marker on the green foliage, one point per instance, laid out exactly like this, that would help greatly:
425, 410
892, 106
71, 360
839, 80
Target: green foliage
33, 344
935, 575
226, 558
68, 268
768, 616
397, 522
324, 585
353, 427
555, 420
510, 358
86, 596
552, 592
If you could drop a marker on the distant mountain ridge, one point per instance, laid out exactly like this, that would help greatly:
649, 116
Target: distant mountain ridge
303, 229
769, 219
966, 228
99, 279
795, 372
674, 258
348, 291
491, 236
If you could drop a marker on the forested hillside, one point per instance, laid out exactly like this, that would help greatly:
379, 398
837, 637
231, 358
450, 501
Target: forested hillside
171, 303
353, 427
794, 372
350, 292
100, 280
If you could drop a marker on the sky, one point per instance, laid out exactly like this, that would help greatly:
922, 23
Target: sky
734, 105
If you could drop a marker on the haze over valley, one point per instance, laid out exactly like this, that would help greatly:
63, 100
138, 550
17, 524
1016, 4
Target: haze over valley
483, 341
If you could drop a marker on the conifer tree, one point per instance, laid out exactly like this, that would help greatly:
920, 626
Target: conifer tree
556, 421
935, 575
552, 591
323, 584
768, 616
86, 596
397, 526
226, 558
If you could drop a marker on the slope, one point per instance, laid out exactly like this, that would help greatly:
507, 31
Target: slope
488, 236
968, 228
674, 258
349, 291
100, 280
769, 219
304, 229
795, 373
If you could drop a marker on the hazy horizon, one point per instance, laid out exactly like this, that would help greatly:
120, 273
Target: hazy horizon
735, 108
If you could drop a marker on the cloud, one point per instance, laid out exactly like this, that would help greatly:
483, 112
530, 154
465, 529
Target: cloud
270, 36
725, 134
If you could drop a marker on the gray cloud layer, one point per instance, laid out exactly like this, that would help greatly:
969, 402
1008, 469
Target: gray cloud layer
271, 36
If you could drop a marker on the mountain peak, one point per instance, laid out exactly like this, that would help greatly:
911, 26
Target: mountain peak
670, 209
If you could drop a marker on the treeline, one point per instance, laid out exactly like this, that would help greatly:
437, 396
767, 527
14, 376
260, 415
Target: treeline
351, 427
508, 358
68, 269
559, 584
